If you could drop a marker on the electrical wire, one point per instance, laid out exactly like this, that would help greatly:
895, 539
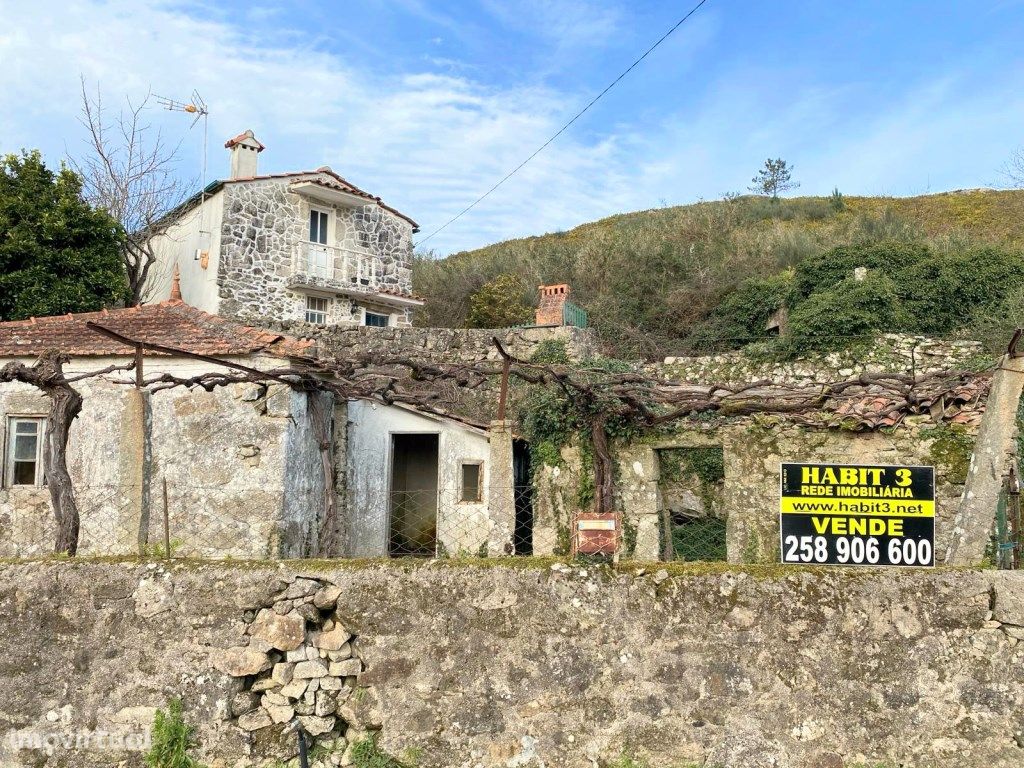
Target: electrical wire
565, 127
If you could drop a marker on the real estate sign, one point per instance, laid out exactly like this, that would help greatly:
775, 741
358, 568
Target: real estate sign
847, 514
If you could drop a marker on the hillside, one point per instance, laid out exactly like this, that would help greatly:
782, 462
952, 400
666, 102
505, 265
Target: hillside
653, 280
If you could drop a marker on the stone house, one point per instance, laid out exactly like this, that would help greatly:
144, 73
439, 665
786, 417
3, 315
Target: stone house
305, 246
237, 461
244, 470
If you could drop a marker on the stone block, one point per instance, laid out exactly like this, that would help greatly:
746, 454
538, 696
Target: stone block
327, 597
239, 662
283, 673
286, 633
317, 726
346, 668
333, 639
255, 720
305, 670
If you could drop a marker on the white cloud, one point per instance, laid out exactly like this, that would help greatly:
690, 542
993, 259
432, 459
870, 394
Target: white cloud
430, 143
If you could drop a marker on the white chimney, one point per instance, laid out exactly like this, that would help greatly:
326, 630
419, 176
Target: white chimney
244, 148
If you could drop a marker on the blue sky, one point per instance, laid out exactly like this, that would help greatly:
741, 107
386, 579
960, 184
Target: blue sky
428, 103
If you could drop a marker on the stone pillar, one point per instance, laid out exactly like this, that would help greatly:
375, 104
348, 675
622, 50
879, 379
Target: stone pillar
501, 492
989, 462
638, 499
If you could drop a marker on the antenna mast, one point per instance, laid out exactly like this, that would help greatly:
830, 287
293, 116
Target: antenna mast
198, 108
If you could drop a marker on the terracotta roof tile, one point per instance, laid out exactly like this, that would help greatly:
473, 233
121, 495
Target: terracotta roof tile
242, 137
337, 183
169, 323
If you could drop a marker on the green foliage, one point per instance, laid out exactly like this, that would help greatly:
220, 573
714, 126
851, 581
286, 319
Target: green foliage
500, 303
551, 352
848, 311
155, 550
172, 740
909, 287
652, 281
366, 754
57, 254
836, 200
700, 539
740, 318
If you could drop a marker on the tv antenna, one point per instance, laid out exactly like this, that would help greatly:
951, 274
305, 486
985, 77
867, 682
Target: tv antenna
198, 108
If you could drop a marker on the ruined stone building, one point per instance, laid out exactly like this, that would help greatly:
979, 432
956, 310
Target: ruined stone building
303, 246
247, 470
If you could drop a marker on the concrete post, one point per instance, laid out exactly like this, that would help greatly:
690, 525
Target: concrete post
989, 462
136, 460
501, 496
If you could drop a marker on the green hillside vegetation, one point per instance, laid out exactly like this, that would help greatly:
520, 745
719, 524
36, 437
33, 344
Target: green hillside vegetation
705, 278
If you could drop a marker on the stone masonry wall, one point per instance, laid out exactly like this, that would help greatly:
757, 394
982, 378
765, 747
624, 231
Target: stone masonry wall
445, 344
263, 229
891, 353
575, 667
754, 450
241, 467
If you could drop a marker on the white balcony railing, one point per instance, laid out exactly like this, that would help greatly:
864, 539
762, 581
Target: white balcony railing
343, 265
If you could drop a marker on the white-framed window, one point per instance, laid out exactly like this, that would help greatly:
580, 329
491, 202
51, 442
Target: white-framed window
376, 320
318, 224
472, 481
316, 309
23, 459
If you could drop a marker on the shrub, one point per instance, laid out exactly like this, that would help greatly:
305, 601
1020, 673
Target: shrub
849, 310
740, 318
500, 303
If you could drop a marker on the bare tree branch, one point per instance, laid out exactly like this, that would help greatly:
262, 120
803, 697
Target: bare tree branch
129, 171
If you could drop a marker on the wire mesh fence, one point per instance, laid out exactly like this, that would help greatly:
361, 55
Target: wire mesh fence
474, 520
1007, 545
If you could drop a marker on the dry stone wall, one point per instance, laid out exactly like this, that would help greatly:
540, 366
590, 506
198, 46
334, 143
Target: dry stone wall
890, 353
464, 345
525, 665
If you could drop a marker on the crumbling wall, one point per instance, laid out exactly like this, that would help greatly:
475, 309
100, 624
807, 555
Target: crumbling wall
106, 462
241, 465
520, 666
889, 353
450, 345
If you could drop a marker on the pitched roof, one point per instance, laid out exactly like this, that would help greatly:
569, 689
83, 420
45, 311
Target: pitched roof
337, 183
169, 323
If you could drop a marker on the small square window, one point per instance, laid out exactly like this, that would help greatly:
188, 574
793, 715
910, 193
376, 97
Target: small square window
316, 310
24, 459
375, 320
472, 487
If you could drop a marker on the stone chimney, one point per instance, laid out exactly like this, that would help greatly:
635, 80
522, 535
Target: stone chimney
552, 300
244, 148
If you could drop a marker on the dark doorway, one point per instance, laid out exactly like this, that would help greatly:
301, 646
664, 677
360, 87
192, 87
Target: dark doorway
413, 529
524, 497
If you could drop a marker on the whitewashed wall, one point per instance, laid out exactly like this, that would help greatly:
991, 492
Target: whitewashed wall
461, 526
178, 245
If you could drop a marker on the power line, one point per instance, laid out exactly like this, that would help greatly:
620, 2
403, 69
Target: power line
562, 130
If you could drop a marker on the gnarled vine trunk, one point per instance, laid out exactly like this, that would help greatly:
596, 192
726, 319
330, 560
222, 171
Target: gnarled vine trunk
47, 375
604, 469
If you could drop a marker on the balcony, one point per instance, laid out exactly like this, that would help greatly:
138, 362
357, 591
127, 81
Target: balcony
336, 266
342, 271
